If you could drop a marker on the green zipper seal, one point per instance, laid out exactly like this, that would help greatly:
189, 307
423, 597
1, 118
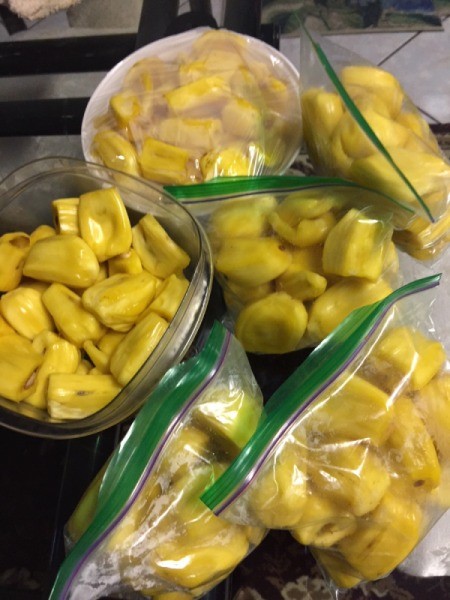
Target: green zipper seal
235, 186
356, 114
309, 380
135, 457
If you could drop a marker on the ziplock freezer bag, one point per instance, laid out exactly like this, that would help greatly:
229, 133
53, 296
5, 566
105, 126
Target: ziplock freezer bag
353, 457
294, 255
360, 124
196, 105
150, 534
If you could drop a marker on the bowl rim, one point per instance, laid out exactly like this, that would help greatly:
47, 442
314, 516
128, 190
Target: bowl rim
201, 283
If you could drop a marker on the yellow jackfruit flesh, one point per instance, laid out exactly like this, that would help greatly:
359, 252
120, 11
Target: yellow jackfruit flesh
74, 322
241, 219
159, 253
322, 523
412, 354
252, 262
350, 474
13, 251
65, 259
280, 493
357, 246
19, 363
65, 216
116, 152
411, 447
75, 396
385, 539
24, 310
119, 300
137, 345
104, 222
60, 356
273, 325
339, 300
433, 403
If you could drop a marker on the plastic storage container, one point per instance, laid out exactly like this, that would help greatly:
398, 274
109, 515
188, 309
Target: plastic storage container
25, 203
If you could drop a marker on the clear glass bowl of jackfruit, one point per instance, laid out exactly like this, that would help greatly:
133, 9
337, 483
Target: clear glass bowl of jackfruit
105, 281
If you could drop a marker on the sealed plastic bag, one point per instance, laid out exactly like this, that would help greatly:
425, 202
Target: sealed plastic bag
360, 124
353, 457
145, 533
294, 255
194, 106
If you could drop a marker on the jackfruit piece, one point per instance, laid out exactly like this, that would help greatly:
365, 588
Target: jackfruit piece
251, 262
411, 448
356, 246
75, 396
127, 262
164, 162
353, 409
149, 74
65, 259
377, 80
41, 232
419, 127
322, 523
125, 106
19, 363
24, 310
200, 134
242, 119
201, 98
186, 451
385, 538
433, 403
280, 493
137, 345
13, 251
60, 356
350, 474
109, 341
232, 161
65, 216
307, 232
308, 204
119, 300
5, 328
116, 152
321, 111
414, 355
231, 415
159, 253
273, 325
306, 259
104, 222
422, 169
72, 320
246, 219
169, 296
368, 99
237, 296
339, 300
301, 285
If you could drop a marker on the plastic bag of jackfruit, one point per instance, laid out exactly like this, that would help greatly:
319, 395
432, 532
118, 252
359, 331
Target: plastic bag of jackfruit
353, 457
194, 106
294, 255
360, 124
140, 530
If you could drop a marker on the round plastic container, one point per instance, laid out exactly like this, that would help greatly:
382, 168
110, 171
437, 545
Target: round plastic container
229, 102
25, 202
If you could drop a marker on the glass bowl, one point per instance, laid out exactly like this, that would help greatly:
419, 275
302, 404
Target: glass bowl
25, 202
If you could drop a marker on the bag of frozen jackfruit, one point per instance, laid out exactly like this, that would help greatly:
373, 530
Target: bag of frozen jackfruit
360, 124
140, 530
294, 255
194, 106
353, 456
